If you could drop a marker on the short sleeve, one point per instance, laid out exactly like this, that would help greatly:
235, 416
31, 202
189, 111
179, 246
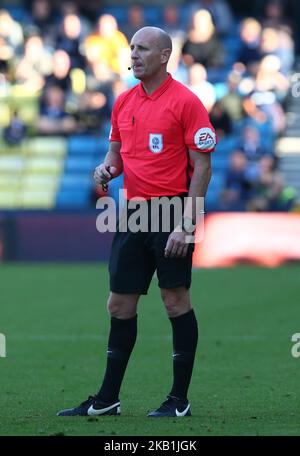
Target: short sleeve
199, 134
114, 131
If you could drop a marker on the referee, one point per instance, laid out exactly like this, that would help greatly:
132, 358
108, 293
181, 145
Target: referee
161, 139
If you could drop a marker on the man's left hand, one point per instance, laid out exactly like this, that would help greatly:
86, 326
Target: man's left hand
177, 246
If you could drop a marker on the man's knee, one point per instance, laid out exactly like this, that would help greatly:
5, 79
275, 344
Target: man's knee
122, 306
176, 300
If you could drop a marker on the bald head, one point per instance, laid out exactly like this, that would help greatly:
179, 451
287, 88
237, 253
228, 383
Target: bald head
155, 35
151, 48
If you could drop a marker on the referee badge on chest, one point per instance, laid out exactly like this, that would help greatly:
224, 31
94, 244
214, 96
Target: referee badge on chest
156, 142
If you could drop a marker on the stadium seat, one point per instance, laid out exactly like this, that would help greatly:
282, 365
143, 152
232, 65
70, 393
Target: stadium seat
119, 12
227, 145
102, 145
217, 180
26, 106
9, 199
11, 164
214, 189
105, 129
114, 187
221, 89
39, 182
217, 75
9, 182
37, 199
232, 46
212, 202
235, 26
219, 162
78, 198
79, 164
53, 146
4, 113
87, 145
44, 164
153, 15
76, 181
18, 12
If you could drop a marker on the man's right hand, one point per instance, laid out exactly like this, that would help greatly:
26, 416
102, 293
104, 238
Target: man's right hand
103, 174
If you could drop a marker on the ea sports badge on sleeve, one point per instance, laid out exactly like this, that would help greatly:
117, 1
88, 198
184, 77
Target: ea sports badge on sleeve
205, 139
156, 142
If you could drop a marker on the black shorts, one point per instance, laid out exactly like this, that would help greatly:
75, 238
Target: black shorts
136, 256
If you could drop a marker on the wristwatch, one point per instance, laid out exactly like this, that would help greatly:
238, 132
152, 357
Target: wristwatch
188, 225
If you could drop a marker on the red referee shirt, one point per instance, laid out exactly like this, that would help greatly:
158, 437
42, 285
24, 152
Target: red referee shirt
156, 132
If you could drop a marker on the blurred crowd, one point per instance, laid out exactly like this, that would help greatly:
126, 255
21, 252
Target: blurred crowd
71, 68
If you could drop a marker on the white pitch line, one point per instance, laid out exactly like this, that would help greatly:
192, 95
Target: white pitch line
73, 337
162, 337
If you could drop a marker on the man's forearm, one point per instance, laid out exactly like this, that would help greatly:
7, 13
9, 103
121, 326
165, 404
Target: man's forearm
198, 188
199, 183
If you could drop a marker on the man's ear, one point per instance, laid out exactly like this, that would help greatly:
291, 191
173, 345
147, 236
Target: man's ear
165, 55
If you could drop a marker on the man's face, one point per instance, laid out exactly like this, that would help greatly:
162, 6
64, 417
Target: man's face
145, 55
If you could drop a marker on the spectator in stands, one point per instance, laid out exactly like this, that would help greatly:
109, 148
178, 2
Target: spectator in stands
68, 39
221, 120
11, 36
274, 16
287, 54
16, 131
270, 89
53, 117
252, 111
118, 86
99, 75
278, 43
5, 78
232, 101
95, 103
5, 50
270, 79
176, 67
135, 21
199, 84
238, 187
172, 22
89, 8
251, 144
34, 66
43, 21
250, 34
61, 66
220, 11
69, 7
108, 44
203, 45
93, 110
270, 190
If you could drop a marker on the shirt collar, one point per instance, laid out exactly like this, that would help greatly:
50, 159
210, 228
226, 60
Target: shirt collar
157, 92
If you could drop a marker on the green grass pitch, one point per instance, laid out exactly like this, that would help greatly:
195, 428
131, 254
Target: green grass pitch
245, 380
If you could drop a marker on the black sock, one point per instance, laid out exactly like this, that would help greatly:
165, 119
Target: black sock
185, 338
121, 341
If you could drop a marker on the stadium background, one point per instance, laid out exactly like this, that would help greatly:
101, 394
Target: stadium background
60, 72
